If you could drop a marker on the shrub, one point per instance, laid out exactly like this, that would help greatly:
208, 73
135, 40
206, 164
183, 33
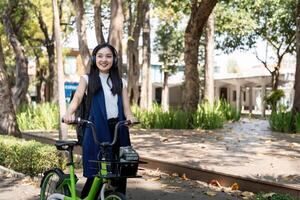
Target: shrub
208, 117
42, 117
281, 121
275, 196
273, 98
228, 111
297, 123
28, 157
157, 118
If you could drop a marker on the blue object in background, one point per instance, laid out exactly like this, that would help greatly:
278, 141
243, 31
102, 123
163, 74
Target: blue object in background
69, 88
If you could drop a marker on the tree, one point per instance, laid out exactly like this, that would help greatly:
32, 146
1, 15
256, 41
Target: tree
81, 32
270, 20
168, 45
134, 29
209, 64
8, 121
12, 28
48, 42
61, 92
146, 88
198, 17
116, 29
296, 105
98, 21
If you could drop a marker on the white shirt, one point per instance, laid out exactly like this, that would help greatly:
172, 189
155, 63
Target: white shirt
111, 101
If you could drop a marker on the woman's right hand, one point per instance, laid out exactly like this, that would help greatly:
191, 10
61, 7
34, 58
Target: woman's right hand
68, 118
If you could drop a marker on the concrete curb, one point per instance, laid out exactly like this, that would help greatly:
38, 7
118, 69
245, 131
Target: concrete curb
11, 172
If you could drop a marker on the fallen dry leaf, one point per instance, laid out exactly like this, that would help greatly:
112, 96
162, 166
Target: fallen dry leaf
174, 174
235, 186
164, 139
153, 179
211, 193
247, 194
215, 183
183, 177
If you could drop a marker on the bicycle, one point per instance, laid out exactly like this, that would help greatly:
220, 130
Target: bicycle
56, 184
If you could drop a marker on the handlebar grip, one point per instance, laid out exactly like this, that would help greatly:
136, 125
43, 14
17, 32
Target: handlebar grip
129, 123
134, 123
76, 121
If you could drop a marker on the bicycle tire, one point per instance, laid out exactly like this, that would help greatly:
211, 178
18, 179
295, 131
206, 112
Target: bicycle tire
49, 184
115, 196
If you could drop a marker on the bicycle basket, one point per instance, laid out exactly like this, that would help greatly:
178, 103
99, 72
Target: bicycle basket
129, 161
126, 166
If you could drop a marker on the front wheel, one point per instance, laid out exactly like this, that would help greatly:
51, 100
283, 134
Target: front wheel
50, 184
115, 196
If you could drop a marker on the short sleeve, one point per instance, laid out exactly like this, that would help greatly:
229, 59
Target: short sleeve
124, 83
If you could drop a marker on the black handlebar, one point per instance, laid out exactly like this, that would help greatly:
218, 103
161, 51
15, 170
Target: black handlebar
78, 121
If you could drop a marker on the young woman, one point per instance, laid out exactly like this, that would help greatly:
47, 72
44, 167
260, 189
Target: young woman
109, 104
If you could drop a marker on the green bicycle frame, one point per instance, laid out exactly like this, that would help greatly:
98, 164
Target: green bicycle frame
95, 186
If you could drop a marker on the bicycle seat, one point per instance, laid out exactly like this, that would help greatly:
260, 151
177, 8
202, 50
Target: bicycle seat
65, 144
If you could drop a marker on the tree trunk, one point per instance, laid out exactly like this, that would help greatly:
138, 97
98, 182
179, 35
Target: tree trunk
275, 78
146, 90
193, 32
98, 21
165, 93
52, 81
81, 32
116, 30
209, 58
296, 104
133, 53
22, 80
48, 42
8, 121
61, 91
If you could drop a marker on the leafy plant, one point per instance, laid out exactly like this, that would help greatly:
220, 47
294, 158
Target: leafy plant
275, 196
273, 98
42, 116
28, 156
208, 117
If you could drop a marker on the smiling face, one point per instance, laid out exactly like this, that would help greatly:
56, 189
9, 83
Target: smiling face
104, 59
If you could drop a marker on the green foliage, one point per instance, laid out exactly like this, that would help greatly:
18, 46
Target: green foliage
281, 121
273, 98
275, 196
284, 121
28, 156
206, 117
227, 111
42, 117
297, 123
157, 118
169, 45
271, 20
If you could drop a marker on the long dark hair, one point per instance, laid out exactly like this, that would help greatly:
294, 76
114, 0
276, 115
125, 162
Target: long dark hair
94, 84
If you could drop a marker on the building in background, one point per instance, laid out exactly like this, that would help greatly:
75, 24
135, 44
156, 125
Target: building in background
243, 87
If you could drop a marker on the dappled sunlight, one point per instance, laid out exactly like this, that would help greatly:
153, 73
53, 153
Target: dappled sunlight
245, 148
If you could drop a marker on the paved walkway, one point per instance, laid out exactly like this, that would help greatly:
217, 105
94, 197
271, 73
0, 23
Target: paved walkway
246, 148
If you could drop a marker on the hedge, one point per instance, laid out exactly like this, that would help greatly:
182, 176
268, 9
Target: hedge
28, 157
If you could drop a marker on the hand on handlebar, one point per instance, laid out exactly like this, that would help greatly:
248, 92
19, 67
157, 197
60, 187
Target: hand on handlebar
132, 120
68, 119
